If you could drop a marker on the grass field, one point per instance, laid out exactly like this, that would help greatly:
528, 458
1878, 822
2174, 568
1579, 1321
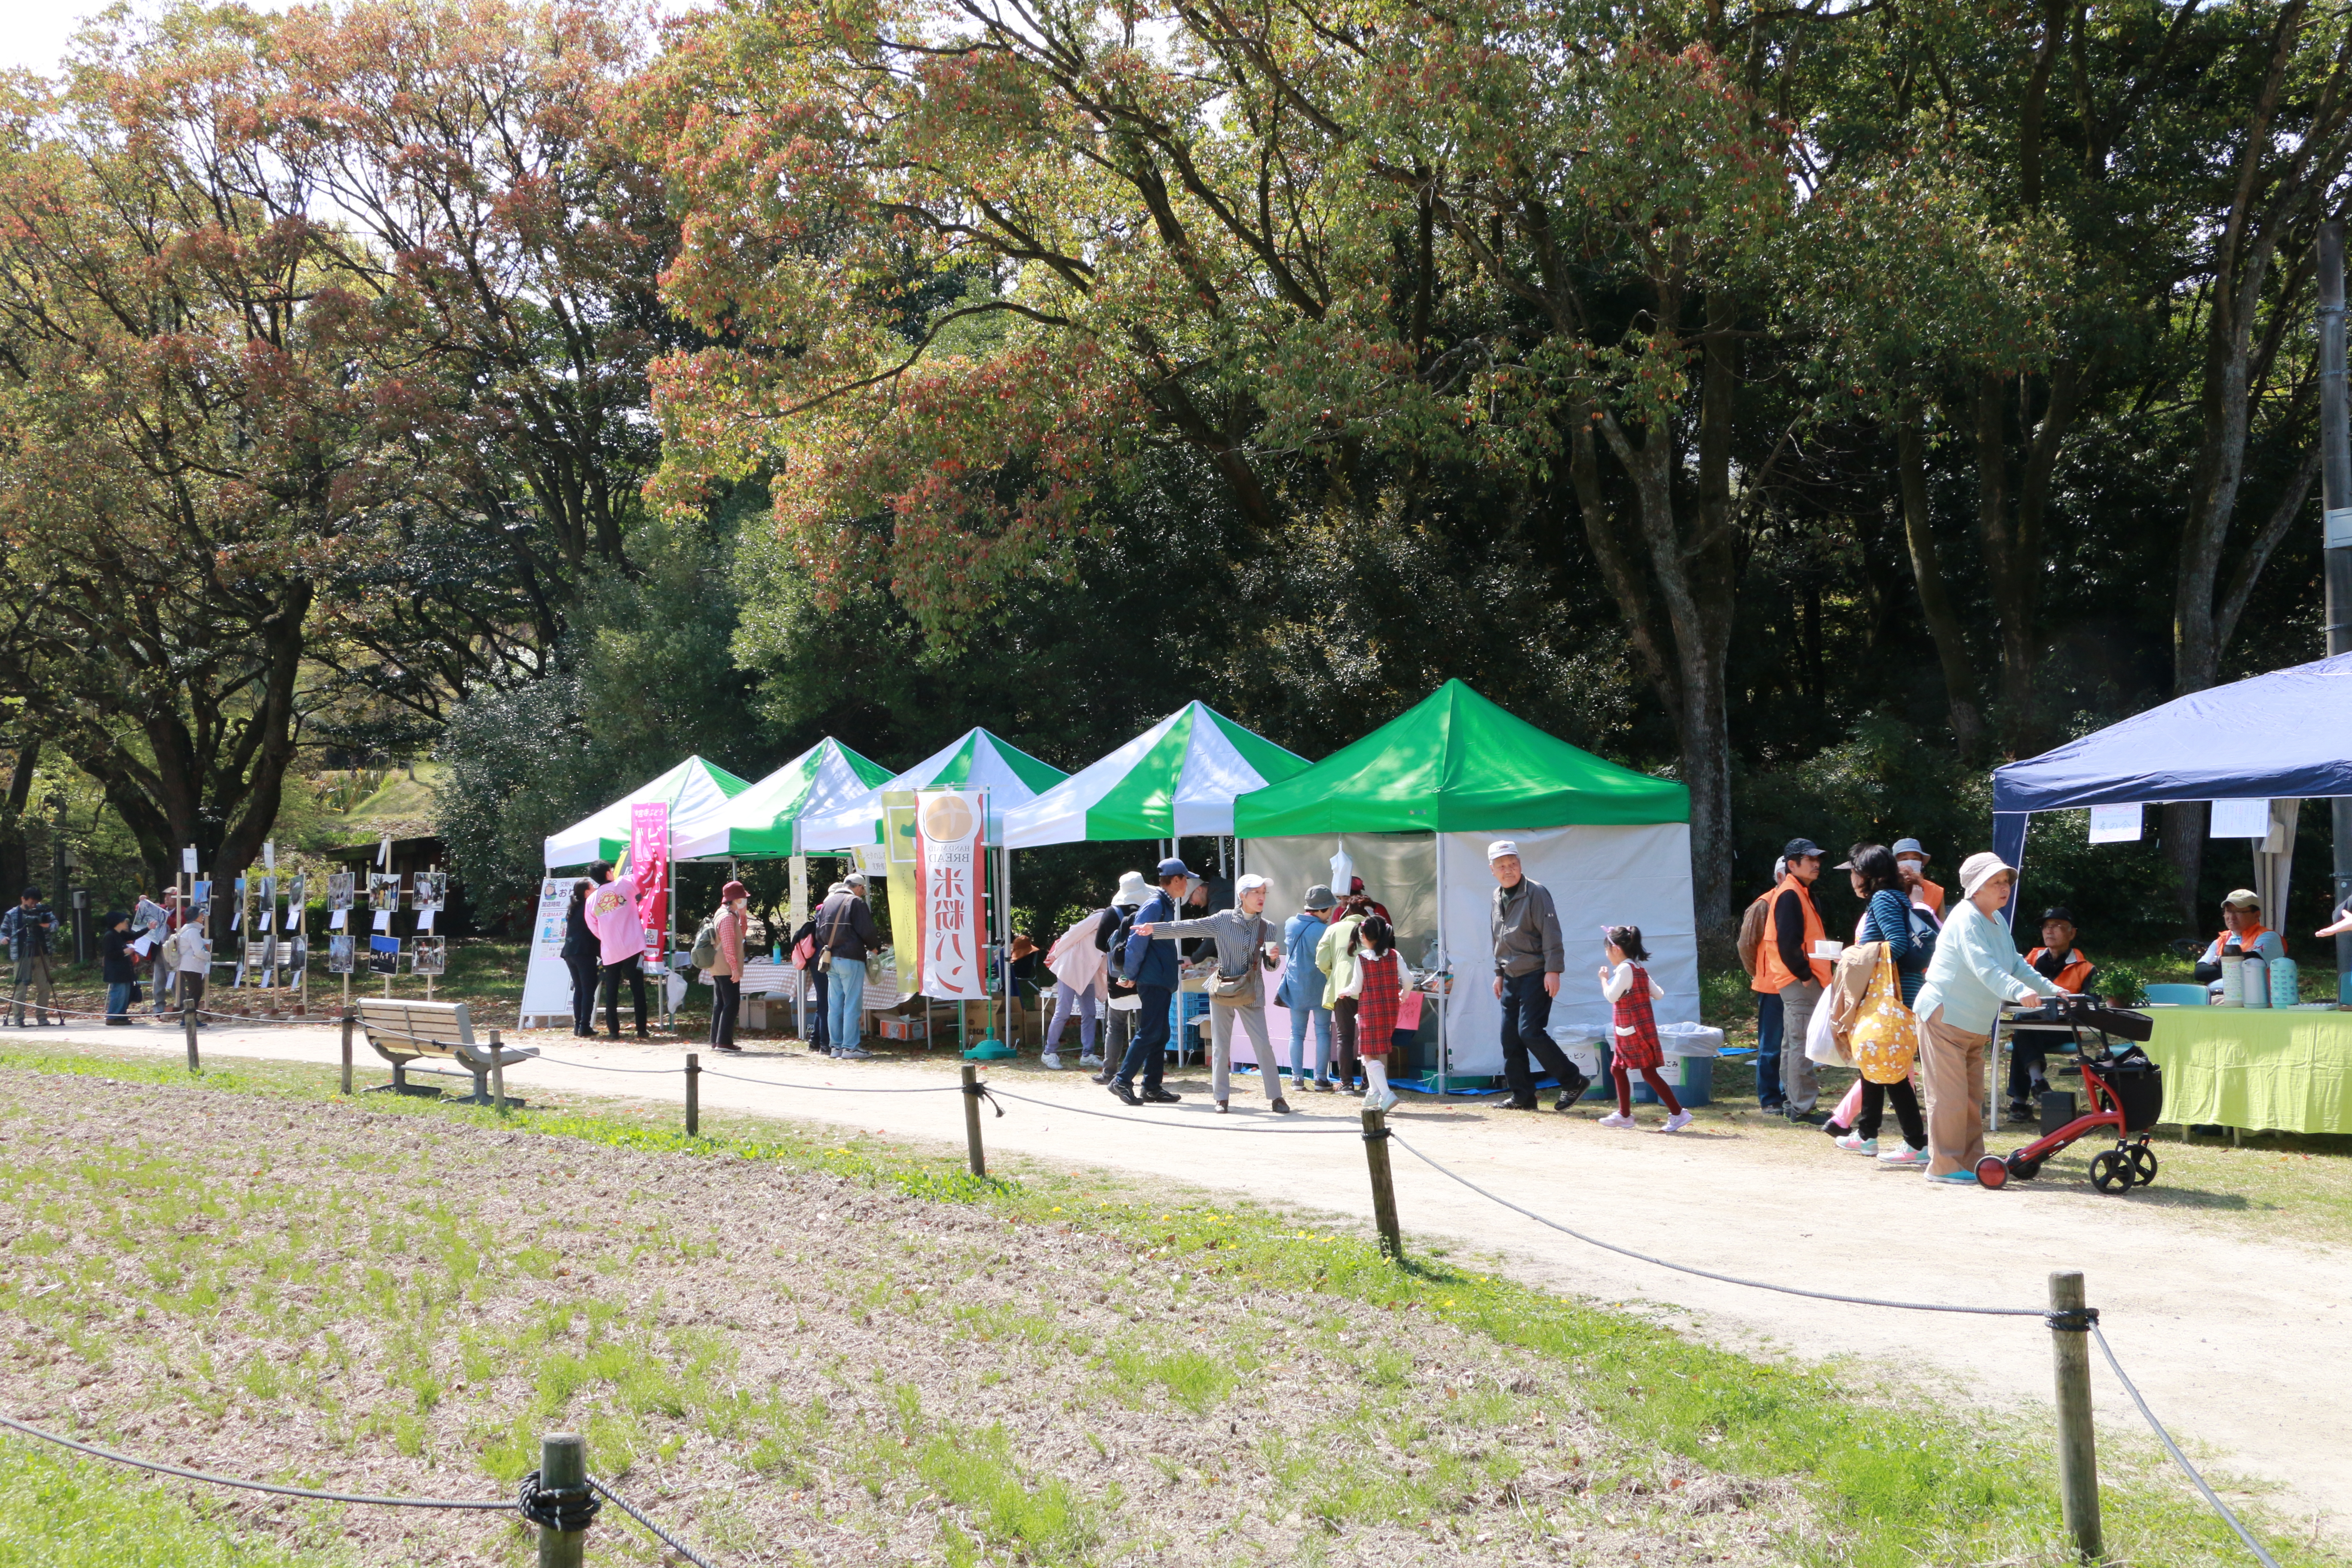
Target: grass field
797, 1348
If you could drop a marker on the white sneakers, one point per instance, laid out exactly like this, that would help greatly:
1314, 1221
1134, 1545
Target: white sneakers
1380, 1099
1904, 1155
1677, 1122
1051, 1060
1855, 1143
1616, 1119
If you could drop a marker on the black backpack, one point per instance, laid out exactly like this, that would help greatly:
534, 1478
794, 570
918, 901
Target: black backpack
1125, 928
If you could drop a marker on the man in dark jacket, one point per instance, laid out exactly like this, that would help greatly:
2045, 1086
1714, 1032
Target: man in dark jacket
26, 928
1152, 965
1530, 955
117, 966
845, 928
582, 955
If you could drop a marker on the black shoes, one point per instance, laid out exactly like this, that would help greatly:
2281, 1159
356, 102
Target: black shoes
1572, 1091
1282, 1108
1156, 1095
1125, 1094
1515, 1104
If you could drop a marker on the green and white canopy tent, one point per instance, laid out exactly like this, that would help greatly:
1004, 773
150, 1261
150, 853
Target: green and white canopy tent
1414, 804
1176, 780
698, 793
977, 760
762, 822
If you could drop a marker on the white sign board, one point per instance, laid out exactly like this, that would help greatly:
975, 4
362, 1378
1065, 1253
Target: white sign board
2114, 823
2241, 819
547, 981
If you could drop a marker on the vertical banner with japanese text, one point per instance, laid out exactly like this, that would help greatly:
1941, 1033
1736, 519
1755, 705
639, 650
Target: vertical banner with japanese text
902, 882
649, 863
948, 843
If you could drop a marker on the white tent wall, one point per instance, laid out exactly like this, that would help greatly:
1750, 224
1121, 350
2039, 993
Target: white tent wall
1598, 876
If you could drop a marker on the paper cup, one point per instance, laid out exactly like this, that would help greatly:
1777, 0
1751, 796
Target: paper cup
1828, 949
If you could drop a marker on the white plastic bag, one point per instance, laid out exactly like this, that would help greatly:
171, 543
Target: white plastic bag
1821, 1037
1687, 1039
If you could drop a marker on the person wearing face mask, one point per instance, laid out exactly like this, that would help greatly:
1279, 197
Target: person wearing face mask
1911, 863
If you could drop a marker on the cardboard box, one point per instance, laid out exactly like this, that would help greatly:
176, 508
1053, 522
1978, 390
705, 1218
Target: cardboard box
905, 1029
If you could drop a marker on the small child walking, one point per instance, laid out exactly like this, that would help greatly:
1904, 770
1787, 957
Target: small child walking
1378, 987
1634, 1046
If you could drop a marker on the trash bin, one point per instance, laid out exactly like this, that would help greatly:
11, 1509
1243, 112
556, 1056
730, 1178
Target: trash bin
1693, 1078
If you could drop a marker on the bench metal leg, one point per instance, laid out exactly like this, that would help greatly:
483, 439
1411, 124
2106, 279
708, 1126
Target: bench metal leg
400, 1084
482, 1095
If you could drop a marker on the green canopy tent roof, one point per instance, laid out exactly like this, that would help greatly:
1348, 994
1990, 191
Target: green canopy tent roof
695, 791
975, 759
764, 821
1177, 780
1458, 763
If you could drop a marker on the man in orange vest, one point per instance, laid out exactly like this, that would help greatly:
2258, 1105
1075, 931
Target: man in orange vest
2061, 962
1788, 964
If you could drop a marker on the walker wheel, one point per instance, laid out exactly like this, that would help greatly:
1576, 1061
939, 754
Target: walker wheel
1992, 1170
2143, 1164
2022, 1169
2111, 1171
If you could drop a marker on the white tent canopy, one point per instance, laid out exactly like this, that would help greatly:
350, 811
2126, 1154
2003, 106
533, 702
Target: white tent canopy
764, 820
696, 791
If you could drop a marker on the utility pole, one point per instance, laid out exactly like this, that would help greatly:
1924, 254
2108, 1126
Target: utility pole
2335, 498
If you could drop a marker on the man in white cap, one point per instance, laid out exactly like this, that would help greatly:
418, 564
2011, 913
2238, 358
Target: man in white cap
1528, 957
1245, 951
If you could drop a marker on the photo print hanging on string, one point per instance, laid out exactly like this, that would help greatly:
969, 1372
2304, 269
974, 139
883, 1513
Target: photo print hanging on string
383, 889
432, 889
339, 952
339, 890
430, 955
384, 955
295, 951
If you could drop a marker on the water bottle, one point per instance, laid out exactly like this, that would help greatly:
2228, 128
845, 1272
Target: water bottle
2286, 987
2257, 979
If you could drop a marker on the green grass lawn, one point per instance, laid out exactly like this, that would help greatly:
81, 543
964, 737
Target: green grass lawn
111, 1249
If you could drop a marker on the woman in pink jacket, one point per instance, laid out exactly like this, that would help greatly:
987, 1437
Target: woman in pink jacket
727, 974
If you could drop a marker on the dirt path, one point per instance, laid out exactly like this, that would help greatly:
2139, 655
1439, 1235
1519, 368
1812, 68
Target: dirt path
2237, 1342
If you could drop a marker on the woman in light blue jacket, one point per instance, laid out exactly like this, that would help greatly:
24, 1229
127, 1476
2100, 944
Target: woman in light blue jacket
1976, 969
1302, 988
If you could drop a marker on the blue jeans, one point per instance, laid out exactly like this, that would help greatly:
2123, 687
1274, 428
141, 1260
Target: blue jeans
1768, 1048
844, 1003
117, 1000
1298, 1018
1148, 1052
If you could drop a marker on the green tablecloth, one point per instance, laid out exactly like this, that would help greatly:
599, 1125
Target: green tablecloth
2255, 1068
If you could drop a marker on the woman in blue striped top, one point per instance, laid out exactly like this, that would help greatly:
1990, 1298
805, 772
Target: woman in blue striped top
1887, 918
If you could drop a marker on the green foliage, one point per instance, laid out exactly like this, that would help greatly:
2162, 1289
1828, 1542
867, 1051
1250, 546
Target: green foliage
64, 1508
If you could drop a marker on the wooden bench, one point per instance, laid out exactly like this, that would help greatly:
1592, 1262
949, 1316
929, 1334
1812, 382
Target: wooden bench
400, 1032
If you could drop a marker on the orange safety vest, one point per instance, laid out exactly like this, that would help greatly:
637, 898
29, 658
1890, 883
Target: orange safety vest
2246, 940
1935, 897
2070, 978
1773, 975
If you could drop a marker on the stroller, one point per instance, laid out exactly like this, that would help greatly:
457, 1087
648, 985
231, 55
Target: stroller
2126, 1094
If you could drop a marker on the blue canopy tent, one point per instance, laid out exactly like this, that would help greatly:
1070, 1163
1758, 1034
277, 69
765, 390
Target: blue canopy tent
2283, 737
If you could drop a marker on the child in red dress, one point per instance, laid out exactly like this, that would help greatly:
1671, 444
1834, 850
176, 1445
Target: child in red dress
1633, 1042
1378, 987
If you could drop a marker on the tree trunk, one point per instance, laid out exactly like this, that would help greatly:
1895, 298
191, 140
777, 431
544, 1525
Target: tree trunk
1960, 689
16, 860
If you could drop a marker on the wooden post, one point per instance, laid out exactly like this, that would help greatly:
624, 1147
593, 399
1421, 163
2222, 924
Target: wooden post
1375, 1155
350, 1018
563, 1468
2078, 1456
693, 1094
498, 1073
976, 1156
188, 1028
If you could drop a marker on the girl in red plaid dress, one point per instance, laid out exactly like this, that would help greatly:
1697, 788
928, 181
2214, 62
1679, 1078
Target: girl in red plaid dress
1379, 986
1633, 1042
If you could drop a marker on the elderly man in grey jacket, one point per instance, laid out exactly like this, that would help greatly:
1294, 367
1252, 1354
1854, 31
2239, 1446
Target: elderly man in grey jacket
1528, 957
1246, 949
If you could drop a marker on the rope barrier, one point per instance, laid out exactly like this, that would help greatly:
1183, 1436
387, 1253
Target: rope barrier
1709, 1274
830, 1087
2174, 1450
1254, 1129
596, 1067
189, 1475
667, 1540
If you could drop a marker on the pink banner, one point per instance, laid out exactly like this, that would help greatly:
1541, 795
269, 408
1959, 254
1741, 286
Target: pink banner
649, 865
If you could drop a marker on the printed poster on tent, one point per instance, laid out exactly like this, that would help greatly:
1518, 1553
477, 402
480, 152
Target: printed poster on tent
649, 863
946, 844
